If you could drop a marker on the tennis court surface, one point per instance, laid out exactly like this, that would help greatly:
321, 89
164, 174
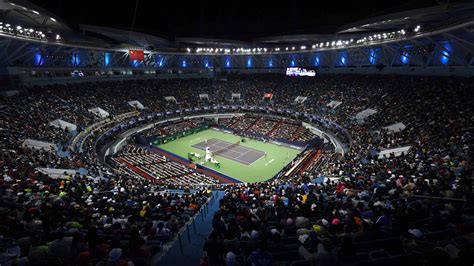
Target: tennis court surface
231, 151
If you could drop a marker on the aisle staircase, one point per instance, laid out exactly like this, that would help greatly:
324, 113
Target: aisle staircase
293, 136
163, 131
136, 169
235, 122
275, 127
315, 154
254, 123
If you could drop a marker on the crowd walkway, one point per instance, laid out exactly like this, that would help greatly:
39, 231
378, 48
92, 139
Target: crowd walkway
187, 248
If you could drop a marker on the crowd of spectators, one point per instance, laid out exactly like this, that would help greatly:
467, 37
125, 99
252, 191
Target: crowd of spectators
262, 125
171, 128
159, 169
416, 206
79, 220
285, 130
242, 123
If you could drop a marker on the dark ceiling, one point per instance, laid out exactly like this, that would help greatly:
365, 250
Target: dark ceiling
243, 20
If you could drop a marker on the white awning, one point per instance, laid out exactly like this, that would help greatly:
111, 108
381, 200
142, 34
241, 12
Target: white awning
397, 127
39, 145
236, 96
63, 125
396, 151
136, 104
300, 99
364, 114
171, 99
57, 173
333, 104
99, 112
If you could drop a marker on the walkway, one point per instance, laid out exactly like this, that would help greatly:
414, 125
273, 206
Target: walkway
193, 238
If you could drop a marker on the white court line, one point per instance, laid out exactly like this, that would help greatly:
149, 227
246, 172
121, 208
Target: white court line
236, 158
271, 161
196, 139
262, 156
233, 158
231, 152
240, 154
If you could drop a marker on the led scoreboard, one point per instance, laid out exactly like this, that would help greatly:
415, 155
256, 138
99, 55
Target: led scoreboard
300, 72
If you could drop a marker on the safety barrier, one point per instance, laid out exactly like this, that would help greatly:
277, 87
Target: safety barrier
189, 230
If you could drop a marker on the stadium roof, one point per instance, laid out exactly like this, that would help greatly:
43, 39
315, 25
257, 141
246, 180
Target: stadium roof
26, 14
242, 20
431, 16
428, 18
127, 37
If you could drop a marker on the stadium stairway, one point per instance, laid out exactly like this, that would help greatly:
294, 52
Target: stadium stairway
135, 169
315, 154
234, 122
192, 239
163, 131
293, 136
254, 123
277, 125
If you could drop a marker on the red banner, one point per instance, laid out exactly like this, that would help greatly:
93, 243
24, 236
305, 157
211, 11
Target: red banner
268, 95
137, 55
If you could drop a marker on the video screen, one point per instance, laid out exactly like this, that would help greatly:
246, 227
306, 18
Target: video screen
300, 72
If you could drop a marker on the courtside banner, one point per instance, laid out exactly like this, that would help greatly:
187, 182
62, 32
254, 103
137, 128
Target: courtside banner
136, 55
